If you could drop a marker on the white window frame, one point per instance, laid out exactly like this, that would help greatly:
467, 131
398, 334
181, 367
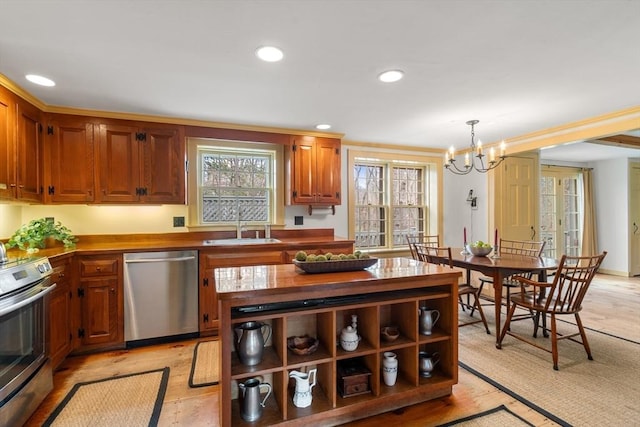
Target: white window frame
432, 190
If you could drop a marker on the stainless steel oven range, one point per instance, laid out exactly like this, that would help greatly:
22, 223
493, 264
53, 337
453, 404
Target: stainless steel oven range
25, 371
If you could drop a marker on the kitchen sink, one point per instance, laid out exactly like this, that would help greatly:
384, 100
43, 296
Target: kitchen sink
230, 242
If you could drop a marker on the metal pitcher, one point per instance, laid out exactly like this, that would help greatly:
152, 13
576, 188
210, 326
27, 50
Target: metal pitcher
427, 363
251, 340
249, 398
428, 318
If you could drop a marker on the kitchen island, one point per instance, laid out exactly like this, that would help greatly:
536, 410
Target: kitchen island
294, 303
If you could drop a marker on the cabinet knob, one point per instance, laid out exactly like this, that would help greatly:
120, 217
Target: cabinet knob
113, 290
98, 268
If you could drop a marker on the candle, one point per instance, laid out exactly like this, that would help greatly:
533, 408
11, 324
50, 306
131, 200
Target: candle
495, 238
492, 155
466, 160
446, 157
479, 148
465, 235
502, 148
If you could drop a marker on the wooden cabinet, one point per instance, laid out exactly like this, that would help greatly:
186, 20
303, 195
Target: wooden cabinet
7, 144
313, 171
29, 153
249, 255
140, 164
69, 161
60, 311
211, 259
100, 294
389, 295
20, 149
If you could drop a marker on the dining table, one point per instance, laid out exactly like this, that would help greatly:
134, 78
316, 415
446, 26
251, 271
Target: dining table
500, 267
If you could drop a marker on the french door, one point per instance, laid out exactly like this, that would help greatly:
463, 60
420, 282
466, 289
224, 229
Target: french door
561, 211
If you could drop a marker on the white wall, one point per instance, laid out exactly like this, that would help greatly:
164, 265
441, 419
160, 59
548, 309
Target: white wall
611, 187
458, 213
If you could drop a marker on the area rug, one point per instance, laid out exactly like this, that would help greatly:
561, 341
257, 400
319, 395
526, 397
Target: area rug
205, 366
127, 400
603, 391
496, 417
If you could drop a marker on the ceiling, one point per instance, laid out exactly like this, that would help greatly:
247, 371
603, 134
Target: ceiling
517, 66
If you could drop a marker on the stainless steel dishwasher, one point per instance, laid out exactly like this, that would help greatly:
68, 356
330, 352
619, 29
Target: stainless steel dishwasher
160, 294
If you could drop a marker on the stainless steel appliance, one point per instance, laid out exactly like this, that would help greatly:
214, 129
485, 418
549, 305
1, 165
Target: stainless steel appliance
160, 295
25, 371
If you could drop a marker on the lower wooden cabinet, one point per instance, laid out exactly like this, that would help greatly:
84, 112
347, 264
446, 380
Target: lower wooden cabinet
248, 256
350, 384
60, 311
100, 295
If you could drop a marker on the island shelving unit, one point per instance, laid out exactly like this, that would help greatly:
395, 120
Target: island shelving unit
295, 303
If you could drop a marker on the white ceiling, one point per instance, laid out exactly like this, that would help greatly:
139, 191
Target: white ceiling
517, 66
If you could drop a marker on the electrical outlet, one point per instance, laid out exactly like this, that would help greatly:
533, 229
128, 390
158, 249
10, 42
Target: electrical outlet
178, 221
298, 220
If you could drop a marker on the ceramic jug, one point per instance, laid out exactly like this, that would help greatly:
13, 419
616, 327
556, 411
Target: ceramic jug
251, 340
427, 362
302, 395
349, 338
428, 319
249, 398
389, 368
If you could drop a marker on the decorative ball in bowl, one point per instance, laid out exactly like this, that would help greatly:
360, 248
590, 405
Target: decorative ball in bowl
478, 250
303, 345
389, 333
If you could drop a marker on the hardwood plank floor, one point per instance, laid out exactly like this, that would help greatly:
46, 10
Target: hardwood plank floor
610, 306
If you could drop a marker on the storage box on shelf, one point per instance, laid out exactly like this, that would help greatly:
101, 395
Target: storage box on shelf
338, 397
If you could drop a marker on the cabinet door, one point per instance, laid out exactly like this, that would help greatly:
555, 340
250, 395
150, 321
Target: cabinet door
303, 169
327, 175
29, 153
118, 160
163, 166
100, 311
60, 328
7, 145
71, 159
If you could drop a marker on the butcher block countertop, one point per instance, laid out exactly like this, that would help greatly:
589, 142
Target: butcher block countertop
103, 244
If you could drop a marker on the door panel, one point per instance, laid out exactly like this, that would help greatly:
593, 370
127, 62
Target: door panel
634, 214
520, 202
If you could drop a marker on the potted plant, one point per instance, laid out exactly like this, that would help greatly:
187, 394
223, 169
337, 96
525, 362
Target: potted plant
33, 236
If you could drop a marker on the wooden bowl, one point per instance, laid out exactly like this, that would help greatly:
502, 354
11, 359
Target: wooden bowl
389, 333
303, 345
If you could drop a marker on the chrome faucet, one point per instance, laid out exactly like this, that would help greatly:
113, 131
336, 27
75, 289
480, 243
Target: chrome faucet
267, 231
239, 226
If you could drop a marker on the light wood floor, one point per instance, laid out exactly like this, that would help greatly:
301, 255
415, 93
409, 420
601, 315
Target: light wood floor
611, 306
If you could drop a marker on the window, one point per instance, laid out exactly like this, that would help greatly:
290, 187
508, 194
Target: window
235, 182
392, 199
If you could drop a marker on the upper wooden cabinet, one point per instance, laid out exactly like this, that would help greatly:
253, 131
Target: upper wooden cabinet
69, 161
7, 144
140, 164
20, 149
313, 171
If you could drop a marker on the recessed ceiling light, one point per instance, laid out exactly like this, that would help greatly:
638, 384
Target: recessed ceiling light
269, 53
391, 76
39, 80
323, 126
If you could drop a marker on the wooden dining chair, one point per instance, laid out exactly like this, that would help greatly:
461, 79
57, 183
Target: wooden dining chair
561, 297
528, 248
421, 239
442, 256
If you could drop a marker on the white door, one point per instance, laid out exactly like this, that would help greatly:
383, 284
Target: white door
634, 219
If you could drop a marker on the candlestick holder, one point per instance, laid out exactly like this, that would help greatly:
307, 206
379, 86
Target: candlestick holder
465, 251
496, 252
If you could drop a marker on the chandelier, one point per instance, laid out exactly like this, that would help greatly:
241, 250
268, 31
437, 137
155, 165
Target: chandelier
476, 152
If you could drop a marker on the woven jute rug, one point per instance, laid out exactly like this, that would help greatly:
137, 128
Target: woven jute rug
604, 391
128, 400
205, 366
496, 417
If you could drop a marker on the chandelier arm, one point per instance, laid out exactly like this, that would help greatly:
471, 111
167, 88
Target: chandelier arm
451, 167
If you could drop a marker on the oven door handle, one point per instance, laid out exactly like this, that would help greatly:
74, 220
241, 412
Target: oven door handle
27, 301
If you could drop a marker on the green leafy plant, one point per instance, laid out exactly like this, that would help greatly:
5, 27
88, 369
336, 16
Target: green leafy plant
32, 236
